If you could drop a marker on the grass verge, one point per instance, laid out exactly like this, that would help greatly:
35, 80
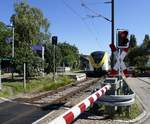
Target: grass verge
37, 85
129, 113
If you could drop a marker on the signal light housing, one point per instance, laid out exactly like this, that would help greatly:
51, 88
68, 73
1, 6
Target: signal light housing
122, 39
54, 40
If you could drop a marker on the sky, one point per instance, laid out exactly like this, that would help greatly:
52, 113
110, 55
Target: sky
71, 23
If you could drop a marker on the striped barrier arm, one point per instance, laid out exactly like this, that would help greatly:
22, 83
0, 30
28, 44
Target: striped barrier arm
75, 111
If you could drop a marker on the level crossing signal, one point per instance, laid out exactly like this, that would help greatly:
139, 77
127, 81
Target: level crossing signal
54, 40
122, 39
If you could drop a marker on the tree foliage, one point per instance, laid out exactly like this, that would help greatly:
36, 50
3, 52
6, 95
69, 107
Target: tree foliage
138, 55
133, 42
70, 55
65, 55
29, 22
31, 27
5, 48
146, 42
49, 56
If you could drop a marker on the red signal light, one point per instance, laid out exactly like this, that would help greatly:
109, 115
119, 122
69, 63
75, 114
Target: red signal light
123, 34
122, 38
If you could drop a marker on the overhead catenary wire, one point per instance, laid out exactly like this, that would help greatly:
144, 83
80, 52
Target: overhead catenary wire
81, 18
96, 13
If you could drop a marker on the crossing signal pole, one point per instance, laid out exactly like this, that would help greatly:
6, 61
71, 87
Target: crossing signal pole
54, 43
112, 31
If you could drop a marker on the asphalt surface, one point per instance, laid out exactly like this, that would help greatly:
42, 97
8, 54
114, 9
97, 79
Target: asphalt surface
17, 113
141, 86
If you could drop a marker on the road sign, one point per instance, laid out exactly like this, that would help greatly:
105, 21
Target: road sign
119, 67
9, 40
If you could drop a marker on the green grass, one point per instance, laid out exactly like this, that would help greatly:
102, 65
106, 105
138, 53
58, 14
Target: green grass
122, 113
37, 85
134, 112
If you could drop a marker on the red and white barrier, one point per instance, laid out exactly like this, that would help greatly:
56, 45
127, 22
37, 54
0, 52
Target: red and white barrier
75, 111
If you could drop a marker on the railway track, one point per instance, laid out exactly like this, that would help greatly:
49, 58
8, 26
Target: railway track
68, 100
60, 95
52, 103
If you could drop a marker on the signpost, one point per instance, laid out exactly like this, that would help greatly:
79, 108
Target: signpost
43, 49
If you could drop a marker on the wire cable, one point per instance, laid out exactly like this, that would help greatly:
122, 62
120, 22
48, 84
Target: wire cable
96, 14
79, 16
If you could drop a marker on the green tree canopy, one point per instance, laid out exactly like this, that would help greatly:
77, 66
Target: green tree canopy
30, 28
133, 42
49, 57
5, 48
146, 42
28, 22
138, 55
66, 55
70, 54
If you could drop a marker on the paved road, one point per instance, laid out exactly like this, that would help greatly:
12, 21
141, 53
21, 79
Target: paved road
142, 88
16, 113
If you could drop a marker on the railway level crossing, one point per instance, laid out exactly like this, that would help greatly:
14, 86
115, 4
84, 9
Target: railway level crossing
113, 86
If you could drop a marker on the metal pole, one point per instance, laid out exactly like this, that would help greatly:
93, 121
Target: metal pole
0, 76
43, 49
13, 39
112, 31
24, 77
54, 63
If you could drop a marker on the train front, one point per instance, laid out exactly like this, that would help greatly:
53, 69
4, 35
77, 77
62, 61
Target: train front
99, 62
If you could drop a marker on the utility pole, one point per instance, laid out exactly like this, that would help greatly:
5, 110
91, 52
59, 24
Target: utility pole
13, 39
13, 52
112, 31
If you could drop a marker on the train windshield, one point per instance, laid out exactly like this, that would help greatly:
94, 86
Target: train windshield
97, 56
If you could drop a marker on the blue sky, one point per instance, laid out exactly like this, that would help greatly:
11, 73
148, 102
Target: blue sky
69, 20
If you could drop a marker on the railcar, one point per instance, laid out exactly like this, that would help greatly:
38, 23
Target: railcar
99, 62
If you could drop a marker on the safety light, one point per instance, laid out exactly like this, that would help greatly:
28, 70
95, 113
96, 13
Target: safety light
122, 38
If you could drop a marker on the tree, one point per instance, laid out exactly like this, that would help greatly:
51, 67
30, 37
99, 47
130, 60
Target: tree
5, 48
146, 42
29, 22
137, 57
49, 57
70, 54
133, 42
